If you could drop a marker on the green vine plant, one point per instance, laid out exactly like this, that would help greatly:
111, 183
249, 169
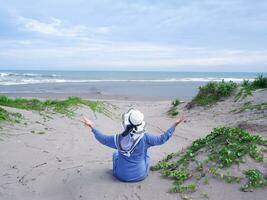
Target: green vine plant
212, 156
65, 107
255, 179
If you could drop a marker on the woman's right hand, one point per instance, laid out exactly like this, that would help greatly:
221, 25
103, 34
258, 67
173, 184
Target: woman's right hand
179, 120
87, 122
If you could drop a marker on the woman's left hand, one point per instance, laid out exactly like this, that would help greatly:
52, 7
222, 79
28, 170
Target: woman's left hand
179, 120
87, 122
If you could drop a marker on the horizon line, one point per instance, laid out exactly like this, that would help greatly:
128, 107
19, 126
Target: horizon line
123, 70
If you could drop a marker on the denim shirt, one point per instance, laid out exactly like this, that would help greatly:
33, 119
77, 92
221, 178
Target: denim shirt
135, 167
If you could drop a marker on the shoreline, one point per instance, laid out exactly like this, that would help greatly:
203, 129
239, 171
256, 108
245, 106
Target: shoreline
90, 96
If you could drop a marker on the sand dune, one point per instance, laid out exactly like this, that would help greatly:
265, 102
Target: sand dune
59, 159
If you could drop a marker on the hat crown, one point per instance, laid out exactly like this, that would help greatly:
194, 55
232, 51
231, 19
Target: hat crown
136, 117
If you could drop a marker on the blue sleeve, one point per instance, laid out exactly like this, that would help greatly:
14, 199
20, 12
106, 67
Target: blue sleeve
108, 140
152, 140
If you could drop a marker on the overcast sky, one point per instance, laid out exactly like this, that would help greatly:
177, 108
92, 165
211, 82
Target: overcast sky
180, 35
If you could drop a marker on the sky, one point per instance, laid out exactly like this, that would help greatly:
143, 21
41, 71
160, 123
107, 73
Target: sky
169, 35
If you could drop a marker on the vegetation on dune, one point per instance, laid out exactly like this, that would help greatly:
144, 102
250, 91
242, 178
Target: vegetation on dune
212, 156
248, 87
248, 106
245, 90
255, 179
4, 115
213, 92
173, 109
260, 82
9, 116
59, 106
204, 194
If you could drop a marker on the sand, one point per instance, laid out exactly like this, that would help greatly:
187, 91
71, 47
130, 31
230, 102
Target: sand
65, 162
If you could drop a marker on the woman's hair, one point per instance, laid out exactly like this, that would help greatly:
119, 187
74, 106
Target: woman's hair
129, 128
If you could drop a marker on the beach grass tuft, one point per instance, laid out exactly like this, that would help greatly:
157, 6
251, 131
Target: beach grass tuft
248, 87
4, 115
260, 82
249, 106
59, 106
173, 109
213, 156
9, 116
213, 92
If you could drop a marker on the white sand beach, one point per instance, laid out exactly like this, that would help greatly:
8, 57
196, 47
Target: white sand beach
58, 158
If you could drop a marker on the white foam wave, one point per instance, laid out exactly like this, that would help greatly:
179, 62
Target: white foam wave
27, 75
5, 74
39, 75
40, 81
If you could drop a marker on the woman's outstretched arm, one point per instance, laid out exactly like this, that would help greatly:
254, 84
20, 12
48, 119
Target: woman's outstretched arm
152, 140
107, 140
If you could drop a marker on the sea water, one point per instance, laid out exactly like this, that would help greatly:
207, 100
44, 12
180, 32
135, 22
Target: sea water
163, 85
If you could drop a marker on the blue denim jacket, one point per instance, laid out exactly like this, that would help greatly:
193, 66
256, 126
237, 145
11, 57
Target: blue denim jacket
136, 167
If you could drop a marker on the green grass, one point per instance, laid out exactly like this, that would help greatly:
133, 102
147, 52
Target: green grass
247, 106
182, 188
260, 82
174, 106
9, 116
176, 102
212, 92
211, 156
204, 194
244, 92
248, 87
4, 115
59, 106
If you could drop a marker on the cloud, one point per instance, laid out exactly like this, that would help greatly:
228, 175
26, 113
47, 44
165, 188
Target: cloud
129, 34
56, 27
110, 55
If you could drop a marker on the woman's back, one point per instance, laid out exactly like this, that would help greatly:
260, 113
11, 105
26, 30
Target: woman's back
131, 159
135, 166
132, 168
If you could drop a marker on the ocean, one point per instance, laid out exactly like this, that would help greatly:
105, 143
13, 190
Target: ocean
160, 85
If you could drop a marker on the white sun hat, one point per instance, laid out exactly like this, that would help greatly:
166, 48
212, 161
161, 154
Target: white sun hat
134, 117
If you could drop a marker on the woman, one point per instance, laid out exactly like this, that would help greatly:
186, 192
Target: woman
131, 160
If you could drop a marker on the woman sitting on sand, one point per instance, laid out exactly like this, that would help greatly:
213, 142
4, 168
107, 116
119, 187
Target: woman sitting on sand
131, 160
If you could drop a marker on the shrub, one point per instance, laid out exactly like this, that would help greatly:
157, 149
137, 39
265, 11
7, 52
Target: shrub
260, 82
176, 102
213, 92
174, 106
